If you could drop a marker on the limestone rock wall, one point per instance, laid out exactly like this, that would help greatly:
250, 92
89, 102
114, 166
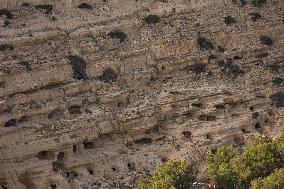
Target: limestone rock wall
125, 106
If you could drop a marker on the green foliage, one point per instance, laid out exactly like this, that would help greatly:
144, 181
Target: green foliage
258, 3
118, 35
274, 181
229, 68
85, 6
228, 169
278, 80
265, 40
204, 44
47, 7
152, 19
174, 174
255, 16
78, 66
277, 99
229, 20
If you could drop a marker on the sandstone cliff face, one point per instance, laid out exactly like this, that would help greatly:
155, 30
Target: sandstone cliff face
82, 109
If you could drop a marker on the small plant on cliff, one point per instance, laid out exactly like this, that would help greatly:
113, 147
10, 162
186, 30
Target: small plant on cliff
255, 16
118, 35
79, 67
27, 65
258, 3
229, 20
197, 68
85, 6
204, 44
108, 76
6, 12
174, 174
5, 47
25, 4
277, 99
152, 19
229, 68
47, 7
278, 80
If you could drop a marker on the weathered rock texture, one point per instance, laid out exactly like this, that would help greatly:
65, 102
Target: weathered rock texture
80, 109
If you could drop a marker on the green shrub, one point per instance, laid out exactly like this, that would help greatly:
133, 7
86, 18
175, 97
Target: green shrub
85, 6
277, 99
6, 47
258, 3
229, 68
255, 16
204, 44
265, 40
108, 76
27, 65
174, 174
152, 19
118, 35
197, 68
229, 20
47, 7
274, 181
278, 80
78, 66
7, 13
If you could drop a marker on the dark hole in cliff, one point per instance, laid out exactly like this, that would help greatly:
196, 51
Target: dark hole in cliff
144, 141
197, 105
164, 159
75, 110
2, 84
257, 126
74, 148
265, 40
109, 75
244, 130
27, 65
88, 145
7, 13
187, 134
53, 186
278, 99
46, 7
214, 150
60, 156
209, 136
207, 118
4, 187
90, 170
6, 47
55, 114
78, 66
251, 108
131, 166
45, 155
23, 119
220, 107
255, 115
152, 19
113, 169
121, 36
11, 123
55, 166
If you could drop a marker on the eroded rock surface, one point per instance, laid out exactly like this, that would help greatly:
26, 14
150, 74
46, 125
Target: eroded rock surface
97, 98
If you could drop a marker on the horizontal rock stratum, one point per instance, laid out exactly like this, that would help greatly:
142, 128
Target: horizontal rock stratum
97, 98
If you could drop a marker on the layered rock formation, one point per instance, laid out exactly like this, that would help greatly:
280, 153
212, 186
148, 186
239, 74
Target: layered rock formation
97, 98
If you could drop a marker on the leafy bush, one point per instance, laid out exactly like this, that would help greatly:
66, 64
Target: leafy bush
118, 35
85, 6
265, 40
229, 20
174, 174
229, 68
197, 68
79, 67
229, 169
27, 65
7, 13
255, 16
277, 99
204, 44
152, 19
258, 3
108, 76
273, 181
5, 47
47, 7
278, 80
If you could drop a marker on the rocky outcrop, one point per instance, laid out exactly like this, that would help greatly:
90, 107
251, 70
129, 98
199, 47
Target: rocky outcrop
82, 108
